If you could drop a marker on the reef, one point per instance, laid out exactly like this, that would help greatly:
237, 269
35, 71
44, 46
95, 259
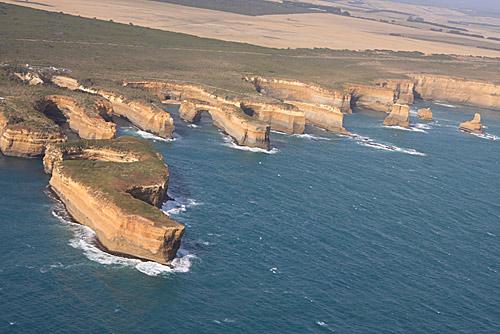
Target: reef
472, 126
425, 114
24, 131
115, 187
399, 116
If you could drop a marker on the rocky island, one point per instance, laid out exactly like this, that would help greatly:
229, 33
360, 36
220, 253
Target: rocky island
472, 126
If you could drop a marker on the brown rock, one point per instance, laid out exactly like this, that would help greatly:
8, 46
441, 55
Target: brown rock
473, 125
323, 116
399, 116
425, 114
372, 97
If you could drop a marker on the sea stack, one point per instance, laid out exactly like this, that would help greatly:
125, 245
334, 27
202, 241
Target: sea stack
399, 116
425, 114
472, 126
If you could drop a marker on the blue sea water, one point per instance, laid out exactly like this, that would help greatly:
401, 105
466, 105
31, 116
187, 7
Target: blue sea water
392, 231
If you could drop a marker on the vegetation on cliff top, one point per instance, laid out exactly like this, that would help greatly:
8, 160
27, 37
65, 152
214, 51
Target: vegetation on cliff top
114, 180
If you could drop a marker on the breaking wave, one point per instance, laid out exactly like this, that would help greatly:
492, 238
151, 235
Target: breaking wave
413, 128
368, 142
144, 134
85, 239
445, 104
178, 205
229, 142
485, 136
310, 137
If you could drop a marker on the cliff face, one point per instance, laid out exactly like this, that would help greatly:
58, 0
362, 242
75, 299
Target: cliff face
403, 90
372, 97
457, 90
280, 116
473, 125
399, 116
86, 122
146, 116
425, 114
292, 90
227, 113
26, 133
322, 116
245, 130
116, 194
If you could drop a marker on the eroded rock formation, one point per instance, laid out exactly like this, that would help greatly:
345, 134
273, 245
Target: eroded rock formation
114, 187
87, 122
282, 117
473, 125
403, 90
323, 116
372, 97
425, 114
399, 116
292, 90
245, 130
25, 132
457, 90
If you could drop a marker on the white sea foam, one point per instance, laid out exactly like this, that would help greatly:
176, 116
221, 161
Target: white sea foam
485, 136
310, 137
178, 205
147, 135
229, 142
85, 239
445, 104
368, 142
411, 128
192, 126
324, 325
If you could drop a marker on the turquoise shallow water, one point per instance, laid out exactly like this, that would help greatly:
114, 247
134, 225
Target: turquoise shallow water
391, 232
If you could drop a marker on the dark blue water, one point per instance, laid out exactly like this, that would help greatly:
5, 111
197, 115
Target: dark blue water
393, 232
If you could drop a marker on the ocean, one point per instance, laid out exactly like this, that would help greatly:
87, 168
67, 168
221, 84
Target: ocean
388, 231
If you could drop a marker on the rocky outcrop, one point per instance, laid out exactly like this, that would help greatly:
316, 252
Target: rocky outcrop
425, 114
146, 116
322, 116
292, 90
30, 78
116, 195
87, 122
280, 116
399, 116
245, 130
227, 112
372, 97
24, 132
403, 90
457, 90
473, 126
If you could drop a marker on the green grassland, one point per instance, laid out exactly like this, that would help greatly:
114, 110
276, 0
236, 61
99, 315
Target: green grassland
106, 51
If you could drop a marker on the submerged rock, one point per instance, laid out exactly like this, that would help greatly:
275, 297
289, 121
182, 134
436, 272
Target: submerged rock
473, 126
425, 114
115, 187
399, 116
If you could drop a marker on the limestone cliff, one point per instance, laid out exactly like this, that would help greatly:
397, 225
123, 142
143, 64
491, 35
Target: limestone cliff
425, 114
293, 90
85, 121
399, 116
372, 97
457, 90
245, 130
473, 125
146, 116
403, 90
322, 116
282, 117
227, 112
113, 187
25, 132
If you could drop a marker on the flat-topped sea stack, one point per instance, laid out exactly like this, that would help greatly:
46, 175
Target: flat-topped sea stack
399, 116
425, 114
292, 90
245, 130
472, 126
85, 120
115, 187
457, 90
24, 131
